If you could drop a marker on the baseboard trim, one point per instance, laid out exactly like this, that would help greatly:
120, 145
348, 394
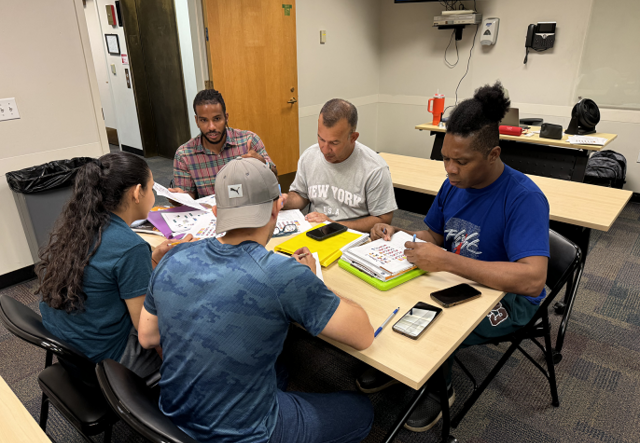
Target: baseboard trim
132, 150
18, 276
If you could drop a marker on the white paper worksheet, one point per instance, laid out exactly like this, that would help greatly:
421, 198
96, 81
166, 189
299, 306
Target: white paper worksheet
181, 222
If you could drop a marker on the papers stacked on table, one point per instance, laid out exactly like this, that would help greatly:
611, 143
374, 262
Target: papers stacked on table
381, 259
585, 140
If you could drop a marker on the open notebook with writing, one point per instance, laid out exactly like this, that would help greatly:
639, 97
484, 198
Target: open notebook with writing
381, 259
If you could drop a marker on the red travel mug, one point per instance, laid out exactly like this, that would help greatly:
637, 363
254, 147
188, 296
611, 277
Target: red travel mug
438, 108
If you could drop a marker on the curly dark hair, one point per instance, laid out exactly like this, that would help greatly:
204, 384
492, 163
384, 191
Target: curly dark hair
480, 116
209, 97
98, 190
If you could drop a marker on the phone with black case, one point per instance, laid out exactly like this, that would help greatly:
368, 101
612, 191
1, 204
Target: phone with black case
415, 322
455, 295
326, 231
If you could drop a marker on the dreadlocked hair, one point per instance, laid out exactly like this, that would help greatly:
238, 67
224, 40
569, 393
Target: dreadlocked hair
98, 190
480, 116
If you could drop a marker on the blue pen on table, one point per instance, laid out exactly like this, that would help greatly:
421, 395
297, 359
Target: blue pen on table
379, 330
414, 237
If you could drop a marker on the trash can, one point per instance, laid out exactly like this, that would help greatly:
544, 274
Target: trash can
40, 193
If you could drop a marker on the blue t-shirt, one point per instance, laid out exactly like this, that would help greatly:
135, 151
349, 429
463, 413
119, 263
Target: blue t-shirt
505, 221
119, 270
223, 315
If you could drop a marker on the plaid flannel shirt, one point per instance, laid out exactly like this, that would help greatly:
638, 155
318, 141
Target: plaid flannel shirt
195, 167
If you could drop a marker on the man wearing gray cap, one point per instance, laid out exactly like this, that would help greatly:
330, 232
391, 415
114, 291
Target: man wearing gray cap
220, 309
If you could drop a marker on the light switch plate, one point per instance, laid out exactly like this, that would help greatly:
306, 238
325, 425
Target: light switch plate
8, 109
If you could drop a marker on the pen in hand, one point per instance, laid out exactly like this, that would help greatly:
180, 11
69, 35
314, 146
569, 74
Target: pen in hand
379, 330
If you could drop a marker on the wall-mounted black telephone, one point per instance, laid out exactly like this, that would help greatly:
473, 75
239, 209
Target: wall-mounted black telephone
540, 37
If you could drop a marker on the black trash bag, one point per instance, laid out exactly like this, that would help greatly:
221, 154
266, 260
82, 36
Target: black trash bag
607, 168
52, 175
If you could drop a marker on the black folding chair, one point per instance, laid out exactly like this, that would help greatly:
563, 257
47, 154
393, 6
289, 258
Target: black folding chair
565, 258
70, 385
137, 404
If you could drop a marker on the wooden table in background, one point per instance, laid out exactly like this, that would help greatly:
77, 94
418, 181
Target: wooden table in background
579, 204
534, 155
16, 424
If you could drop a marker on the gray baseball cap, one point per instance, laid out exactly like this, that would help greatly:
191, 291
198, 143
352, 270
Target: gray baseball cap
245, 190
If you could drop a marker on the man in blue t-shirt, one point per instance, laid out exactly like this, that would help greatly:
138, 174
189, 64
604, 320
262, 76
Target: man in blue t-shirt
221, 308
493, 223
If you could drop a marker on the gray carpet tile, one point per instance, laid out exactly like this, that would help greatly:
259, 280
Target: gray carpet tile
598, 377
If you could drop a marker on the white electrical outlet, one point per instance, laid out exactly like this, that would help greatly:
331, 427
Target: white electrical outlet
8, 109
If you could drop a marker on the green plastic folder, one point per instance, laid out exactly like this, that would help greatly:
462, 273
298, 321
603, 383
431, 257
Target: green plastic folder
379, 284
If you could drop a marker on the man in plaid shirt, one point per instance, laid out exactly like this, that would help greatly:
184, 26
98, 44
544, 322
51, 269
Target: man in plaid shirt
198, 161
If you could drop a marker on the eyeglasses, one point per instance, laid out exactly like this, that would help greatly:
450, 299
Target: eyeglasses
286, 229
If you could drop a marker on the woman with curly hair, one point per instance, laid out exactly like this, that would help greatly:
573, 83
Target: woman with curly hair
94, 272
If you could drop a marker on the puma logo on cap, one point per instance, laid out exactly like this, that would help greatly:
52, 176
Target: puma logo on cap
235, 191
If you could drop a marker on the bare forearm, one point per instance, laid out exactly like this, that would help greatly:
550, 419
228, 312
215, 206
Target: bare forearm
350, 325
516, 277
361, 224
295, 201
365, 224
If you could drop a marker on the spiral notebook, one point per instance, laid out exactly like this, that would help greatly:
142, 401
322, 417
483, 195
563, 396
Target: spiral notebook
382, 259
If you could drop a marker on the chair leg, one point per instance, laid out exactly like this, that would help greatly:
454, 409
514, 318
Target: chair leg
44, 412
405, 415
550, 363
567, 312
466, 371
476, 394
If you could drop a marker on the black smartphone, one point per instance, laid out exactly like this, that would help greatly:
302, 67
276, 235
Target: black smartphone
415, 322
455, 295
326, 231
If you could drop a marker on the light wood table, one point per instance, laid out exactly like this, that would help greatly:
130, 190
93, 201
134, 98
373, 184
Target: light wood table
535, 138
534, 155
579, 204
16, 424
412, 362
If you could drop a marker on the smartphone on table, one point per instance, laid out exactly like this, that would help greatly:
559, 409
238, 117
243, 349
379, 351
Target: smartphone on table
455, 295
415, 322
326, 231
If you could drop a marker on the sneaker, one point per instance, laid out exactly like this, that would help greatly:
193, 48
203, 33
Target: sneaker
427, 413
372, 380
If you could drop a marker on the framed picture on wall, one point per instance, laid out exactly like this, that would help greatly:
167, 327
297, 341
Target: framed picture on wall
113, 45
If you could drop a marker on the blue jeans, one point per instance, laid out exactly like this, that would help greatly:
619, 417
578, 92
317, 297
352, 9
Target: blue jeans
323, 418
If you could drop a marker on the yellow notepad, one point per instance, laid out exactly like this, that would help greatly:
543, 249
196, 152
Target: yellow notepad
328, 250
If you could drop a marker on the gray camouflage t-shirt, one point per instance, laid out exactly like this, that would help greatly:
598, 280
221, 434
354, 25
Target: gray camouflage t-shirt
358, 187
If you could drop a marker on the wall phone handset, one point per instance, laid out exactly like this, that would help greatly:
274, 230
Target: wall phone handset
529, 40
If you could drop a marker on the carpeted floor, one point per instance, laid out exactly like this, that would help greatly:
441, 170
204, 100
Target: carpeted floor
598, 378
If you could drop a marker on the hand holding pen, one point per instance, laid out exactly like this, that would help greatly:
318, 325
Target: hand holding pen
304, 256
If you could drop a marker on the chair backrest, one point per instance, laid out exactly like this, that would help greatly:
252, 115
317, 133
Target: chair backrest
137, 404
565, 257
21, 321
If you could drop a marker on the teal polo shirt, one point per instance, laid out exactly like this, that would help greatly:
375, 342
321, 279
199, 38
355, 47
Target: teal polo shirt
119, 270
